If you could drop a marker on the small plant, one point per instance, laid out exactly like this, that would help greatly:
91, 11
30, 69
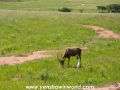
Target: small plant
103, 72
81, 10
65, 9
44, 76
2, 53
91, 69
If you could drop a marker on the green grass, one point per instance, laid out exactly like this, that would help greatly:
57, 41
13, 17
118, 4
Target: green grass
97, 69
27, 31
54, 5
23, 32
46, 30
20, 33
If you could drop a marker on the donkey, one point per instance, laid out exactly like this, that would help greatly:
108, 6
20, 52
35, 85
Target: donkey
71, 52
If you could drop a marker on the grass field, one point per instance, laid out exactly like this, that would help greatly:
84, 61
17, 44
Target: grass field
54, 5
26, 31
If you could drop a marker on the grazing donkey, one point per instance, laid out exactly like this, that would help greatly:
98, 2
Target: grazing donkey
71, 52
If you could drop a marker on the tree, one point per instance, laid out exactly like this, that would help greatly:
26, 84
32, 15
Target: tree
114, 8
102, 8
65, 9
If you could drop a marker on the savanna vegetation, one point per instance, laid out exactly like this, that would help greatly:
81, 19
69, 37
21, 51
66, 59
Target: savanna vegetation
26, 29
65, 9
113, 8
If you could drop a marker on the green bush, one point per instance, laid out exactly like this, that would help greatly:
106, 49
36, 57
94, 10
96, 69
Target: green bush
65, 9
113, 8
102, 8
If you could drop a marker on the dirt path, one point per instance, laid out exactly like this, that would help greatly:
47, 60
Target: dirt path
102, 32
109, 87
11, 60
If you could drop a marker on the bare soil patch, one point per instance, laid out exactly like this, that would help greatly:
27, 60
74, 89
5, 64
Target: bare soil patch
83, 4
11, 60
102, 32
109, 87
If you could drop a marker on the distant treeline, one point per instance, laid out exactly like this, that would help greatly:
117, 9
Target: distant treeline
113, 8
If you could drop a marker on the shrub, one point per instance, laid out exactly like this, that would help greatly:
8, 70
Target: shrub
81, 10
102, 8
65, 9
113, 8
